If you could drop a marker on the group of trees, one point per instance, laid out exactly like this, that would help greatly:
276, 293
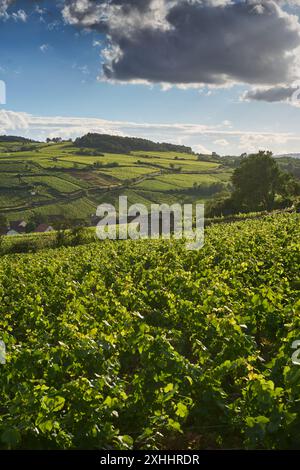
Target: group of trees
55, 140
13, 138
105, 165
258, 184
117, 144
89, 153
208, 189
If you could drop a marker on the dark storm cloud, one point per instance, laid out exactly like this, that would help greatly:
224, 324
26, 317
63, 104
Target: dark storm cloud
193, 41
190, 42
272, 95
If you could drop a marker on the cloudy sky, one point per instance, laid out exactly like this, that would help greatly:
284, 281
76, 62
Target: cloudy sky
220, 75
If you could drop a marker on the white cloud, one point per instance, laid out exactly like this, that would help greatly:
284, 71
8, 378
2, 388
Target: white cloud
251, 143
4, 5
19, 15
40, 11
201, 137
44, 48
97, 43
201, 149
221, 142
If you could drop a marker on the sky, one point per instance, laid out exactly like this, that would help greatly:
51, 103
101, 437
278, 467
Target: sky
217, 75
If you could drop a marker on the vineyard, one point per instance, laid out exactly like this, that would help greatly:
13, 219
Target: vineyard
121, 345
58, 180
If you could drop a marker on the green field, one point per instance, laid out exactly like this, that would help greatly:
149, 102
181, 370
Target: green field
76, 209
55, 180
129, 172
181, 181
59, 184
60, 180
120, 345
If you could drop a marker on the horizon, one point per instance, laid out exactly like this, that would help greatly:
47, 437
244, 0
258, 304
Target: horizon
66, 140
70, 67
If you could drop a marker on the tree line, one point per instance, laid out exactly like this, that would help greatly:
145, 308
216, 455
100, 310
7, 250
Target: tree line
258, 184
116, 144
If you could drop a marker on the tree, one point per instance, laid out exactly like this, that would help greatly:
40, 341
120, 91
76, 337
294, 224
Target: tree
3, 221
118, 144
77, 235
257, 181
38, 218
60, 238
30, 227
289, 185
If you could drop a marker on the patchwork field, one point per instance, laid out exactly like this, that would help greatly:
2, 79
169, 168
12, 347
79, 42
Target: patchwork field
181, 181
59, 180
55, 180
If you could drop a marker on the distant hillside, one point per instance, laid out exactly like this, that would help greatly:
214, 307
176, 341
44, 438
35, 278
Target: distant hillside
116, 144
13, 138
288, 155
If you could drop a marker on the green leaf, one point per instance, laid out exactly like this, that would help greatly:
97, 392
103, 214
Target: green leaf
169, 388
181, 410
174, 425
108, 402
53, 404
46, 426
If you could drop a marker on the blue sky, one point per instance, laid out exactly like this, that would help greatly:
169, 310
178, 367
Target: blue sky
52, 71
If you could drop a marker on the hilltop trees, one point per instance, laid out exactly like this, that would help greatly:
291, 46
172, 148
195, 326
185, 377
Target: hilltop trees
13, 139
257, 183
118, 144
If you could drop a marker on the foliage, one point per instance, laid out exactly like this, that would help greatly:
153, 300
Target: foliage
117, 144
258, 184
137, 344
257, 181
13, 138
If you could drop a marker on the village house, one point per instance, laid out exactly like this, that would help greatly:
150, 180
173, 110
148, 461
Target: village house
43, 228
12, 232
17, 226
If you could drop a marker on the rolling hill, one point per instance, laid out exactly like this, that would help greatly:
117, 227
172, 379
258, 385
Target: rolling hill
56, 181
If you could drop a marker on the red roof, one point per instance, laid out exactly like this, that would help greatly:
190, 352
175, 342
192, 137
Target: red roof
43, 228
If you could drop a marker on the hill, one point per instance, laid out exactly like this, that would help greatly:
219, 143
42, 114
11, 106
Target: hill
15, 139
117, 144
288, 155
61, 183
51, 182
